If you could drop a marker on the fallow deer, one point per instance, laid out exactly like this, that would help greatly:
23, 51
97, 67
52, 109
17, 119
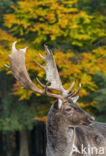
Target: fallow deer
69, 128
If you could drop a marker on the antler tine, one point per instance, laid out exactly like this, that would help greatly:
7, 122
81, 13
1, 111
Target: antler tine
18, 69
70, 88
77, 91
13, 47
41, 84
46, 88
44, 68
71, 94
7, 66
52, 75
47, 50
42, 56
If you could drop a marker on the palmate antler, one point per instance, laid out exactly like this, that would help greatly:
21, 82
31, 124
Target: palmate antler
18, 69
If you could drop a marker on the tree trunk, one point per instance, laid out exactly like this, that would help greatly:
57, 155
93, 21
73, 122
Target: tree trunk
8, 142
24, 146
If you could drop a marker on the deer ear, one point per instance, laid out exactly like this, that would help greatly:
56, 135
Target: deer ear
58, 104
74, 99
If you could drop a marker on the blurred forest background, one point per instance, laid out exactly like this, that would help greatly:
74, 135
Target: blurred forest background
75, 31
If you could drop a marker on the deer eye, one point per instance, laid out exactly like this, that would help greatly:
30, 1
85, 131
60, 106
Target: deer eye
68, 109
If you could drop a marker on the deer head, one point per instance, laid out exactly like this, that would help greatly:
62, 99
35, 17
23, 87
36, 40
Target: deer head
66, 105
70, 114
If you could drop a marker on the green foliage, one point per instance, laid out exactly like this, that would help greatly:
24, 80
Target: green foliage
98, 106
5, 8
92, 6
100, 97
15, 114
77, 30
55, 22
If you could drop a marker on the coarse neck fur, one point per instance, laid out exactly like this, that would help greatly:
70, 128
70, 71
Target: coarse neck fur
60, 136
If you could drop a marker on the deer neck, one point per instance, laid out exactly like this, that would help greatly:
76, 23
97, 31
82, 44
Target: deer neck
60, 137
